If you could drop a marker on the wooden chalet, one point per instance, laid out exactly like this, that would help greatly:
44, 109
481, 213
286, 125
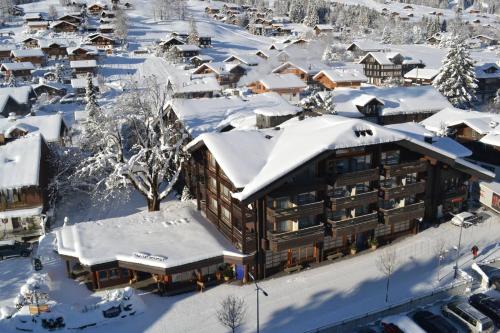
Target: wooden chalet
186, 52
16, 100
324, 205
169, 42
33, 17
71, 19
81, 68
379, 66
305, 70
19, 70
106, 28
49, 89
226, 74
6, 51
35, 26
336, 78
35, 56
205, 41
201, 59
63, 26
420, 76
82, 53
101, 40
96, 8
54, 49
288, 86
31, 43
488, 81
323, 29
23, 189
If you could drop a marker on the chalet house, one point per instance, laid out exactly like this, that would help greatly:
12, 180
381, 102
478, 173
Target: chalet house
390, 105
485, 40
63, 26
35, 26
52, 128
478, 131
5, 52
420, 76
106, 28
488, 81
227, 74
212, 10
31, 43
81, 68
169, 42
23, 186
266, 54
186, 52
361, 48
33, 17
16, 100
379, 66
434, 40
80, 84
309, 198
53, 49
19, 70
244, 59
108, 14
101, 40
304, 69
205, 41
35, 56
339, 77
82, 53
288, 86
71, 19
50, 90
96, 8
323, 29
201, 59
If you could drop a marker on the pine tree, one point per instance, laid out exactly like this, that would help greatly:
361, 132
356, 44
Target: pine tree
186, 194
328, 56
297, 11
312, 17
193, 37
328, 103
91, 96
457, 80
444, 26
59, 73
386, 36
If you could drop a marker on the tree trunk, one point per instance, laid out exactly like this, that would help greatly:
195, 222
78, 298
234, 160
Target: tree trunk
153, 204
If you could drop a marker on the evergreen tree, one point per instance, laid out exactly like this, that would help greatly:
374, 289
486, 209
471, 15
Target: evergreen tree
91, 96
444, 25
327, 103
457, 80
328, 56
312, 17
193, 37
186, 194
386, 36
59, 73
297, 11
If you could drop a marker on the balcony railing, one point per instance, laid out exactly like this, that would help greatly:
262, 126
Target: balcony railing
354, 200
406, 213
17, 205
293, 213
402, 191
405, 168
279, 241
354, 224
356, 177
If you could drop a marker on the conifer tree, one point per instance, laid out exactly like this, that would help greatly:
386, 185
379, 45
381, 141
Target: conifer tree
297, 11
312, 17
193, 37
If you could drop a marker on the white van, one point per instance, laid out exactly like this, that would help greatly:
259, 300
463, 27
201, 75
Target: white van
465, 314
465, 218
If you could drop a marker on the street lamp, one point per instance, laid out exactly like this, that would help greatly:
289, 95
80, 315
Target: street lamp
458, 249
257, 289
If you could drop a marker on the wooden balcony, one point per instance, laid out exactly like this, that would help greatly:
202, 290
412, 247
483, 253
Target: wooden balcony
355, 177
402, 191
354, 200
403, 169
354, 224
400, 214
286, 240
293, 213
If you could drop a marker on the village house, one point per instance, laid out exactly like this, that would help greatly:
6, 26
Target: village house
244, 59
76, 20
361, 48
186, 52
24, 177
35, 56
16, 101
106, 28
52, 128
389, 105
96, 8
81, 68
33, 17
5, 52
19, 70
82, 53
340, 77
227, 74
294, 197
485, 40
53, 49
35, 26
101, 41
420, 76
488, 81
31, 43
169, 42
289, 86
108, 14
63, 26
205, 41
79, 85
380, 66
303, 69
200, 59
51, 90
323, 29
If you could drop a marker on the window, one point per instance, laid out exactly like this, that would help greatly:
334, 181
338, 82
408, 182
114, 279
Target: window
224, 192
341, 166
305, 198
306, 222
401, 226
103, 275
114, 273
359, 163
390, 157
213, 204
212, 184
212, 164
225, 214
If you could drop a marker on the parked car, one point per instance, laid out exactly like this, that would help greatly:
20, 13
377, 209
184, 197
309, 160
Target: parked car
391, 328
432, 323
11, 248
400, 323
487, 305
465, 218
466, 315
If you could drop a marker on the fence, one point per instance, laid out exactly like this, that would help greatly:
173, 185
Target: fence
350, 324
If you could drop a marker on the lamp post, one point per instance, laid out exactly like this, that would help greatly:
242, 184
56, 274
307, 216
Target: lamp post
257, 289
458, 249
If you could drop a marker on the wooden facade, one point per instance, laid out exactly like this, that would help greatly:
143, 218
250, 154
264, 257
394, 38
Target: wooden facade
339, 201
377, 72
329, 84
55, 50
64, 26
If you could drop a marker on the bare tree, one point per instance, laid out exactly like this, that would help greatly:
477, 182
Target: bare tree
232, 312
52, 13
439, 251
387, 263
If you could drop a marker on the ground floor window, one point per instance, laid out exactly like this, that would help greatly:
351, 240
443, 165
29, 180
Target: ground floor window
330, 242
401, 226
382, 230
184, 276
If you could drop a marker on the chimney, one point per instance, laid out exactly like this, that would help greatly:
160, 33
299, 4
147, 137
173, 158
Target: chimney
12, 116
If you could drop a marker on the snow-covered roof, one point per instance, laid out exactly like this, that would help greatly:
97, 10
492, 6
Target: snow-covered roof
17, 66
418, 132
203, 57
49, 126
383, 58
247, 59
80, 83
220, 68
396, 100
88, 49
20, 94
487, 71
176, 235
311, 67
187, 48
7, 47
20, 162
28, 53
107, 27
27, 212
422, 73
282, 81
82, 63
324, 27
367, 45
342, 75
37, 23
212, 114
255, 159
56, 23
32, 16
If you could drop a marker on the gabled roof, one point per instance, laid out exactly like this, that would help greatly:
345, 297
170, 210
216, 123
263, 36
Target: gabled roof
219, 68
367, 46
342, 75
308, 66
57, 23
28, 53
480, 71
187, 48
87, 49
21, 94
170, 38
95, 36
20, 162
282, 81
422, 73
247, 59
80, 83
83, 63
322, 27
383, 58
48, 126
17, 66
